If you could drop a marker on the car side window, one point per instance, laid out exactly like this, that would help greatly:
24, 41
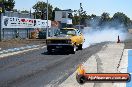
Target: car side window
78, 32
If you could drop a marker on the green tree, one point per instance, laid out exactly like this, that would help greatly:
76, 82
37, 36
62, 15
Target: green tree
76, 20
122, 19
105, 19
9, 5
84, 16
25, 11
41, 8
93, 16
1, 1
15, 10
80, 16
105, 16
56, 9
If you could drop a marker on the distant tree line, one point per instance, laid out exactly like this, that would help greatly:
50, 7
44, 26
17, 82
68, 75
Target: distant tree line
41, 9
118, 19
79, 16
8, 5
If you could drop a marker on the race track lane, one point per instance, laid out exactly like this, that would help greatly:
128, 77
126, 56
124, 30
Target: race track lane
38, 69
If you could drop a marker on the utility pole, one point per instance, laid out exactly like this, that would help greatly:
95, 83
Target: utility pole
0, 26
1, 11
47, 22
80, 14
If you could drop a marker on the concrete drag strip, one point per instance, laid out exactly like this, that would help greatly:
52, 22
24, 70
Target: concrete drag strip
123, 65
14, 51
105, 61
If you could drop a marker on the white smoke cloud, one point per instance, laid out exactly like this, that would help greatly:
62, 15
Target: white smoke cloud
93, 36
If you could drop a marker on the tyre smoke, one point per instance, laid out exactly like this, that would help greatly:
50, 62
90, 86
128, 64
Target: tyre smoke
93, 36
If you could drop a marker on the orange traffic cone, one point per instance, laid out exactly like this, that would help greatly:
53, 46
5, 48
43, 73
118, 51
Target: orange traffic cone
118, 39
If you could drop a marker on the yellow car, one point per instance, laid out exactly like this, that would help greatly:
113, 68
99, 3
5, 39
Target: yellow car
66, 40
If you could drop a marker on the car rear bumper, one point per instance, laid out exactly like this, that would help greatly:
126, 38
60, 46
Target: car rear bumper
59, 47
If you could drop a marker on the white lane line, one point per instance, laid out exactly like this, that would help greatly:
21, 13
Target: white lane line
18, 52
18, 49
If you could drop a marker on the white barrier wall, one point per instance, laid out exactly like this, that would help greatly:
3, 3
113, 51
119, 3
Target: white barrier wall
15, 22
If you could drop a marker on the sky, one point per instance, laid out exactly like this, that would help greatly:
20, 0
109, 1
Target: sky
96, 7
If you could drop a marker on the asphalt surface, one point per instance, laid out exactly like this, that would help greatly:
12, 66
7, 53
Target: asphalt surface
38, 69
128, 45
20, 43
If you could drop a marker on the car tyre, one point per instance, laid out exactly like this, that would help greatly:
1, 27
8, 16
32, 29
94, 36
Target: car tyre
74, 48
80, 47
49, 51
